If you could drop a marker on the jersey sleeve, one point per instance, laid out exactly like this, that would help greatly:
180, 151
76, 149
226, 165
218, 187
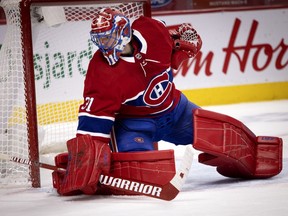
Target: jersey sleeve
156, 45
97, 113
153, 53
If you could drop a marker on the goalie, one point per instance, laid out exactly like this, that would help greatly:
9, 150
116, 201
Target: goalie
131, 103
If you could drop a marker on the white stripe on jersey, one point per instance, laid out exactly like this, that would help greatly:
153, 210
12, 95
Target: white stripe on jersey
128, 59
95, 116
94, 134
133, 98
163, 109
142, 40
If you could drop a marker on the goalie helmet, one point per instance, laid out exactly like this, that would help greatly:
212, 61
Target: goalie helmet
110, 32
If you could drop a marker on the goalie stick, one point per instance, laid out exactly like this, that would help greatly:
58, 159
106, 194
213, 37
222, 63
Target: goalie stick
166, 192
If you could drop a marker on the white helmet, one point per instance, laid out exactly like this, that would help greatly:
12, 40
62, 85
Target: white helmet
110, 32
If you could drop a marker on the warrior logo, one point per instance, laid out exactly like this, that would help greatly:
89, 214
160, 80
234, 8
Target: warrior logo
131, 186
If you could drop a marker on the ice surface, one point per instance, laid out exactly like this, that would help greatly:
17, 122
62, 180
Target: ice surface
205, 193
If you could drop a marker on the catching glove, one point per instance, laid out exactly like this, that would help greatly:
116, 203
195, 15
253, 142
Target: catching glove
187, 43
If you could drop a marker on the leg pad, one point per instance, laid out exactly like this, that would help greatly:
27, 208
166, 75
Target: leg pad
235, 150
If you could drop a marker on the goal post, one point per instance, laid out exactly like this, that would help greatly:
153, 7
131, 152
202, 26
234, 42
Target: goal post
43, 63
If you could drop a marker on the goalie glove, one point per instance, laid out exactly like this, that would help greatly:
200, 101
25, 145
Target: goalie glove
187, 43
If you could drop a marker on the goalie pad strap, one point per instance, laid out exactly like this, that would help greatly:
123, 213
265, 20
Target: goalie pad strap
142, 156
230, 146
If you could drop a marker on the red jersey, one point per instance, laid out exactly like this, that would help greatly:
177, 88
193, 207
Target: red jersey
140, 85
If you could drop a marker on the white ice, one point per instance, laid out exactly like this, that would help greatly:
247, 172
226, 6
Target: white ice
204, 193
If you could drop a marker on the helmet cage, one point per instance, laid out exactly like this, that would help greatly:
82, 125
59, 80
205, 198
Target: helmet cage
112, 42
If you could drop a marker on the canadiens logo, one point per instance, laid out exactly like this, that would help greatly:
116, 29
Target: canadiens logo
158, 90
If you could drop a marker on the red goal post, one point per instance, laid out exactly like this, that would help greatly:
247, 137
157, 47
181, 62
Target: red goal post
43, 62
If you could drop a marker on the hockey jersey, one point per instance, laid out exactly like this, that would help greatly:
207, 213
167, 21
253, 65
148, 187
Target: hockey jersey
140, 85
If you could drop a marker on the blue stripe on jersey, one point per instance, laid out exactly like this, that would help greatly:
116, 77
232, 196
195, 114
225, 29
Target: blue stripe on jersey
136, 102
95, 125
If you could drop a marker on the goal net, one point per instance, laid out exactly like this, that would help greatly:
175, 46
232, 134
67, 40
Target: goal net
43, 62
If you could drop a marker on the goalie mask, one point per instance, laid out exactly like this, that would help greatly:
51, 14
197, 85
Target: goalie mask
110, 32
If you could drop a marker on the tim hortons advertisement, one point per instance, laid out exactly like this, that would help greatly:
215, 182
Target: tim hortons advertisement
238, 48
245, 51
244, 56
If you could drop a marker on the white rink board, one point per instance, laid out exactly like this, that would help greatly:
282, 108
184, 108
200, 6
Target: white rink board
266, 30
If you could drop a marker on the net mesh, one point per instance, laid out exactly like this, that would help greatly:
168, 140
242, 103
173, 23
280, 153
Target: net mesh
61, 53
13, 130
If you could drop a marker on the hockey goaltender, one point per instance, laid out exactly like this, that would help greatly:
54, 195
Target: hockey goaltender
131, 103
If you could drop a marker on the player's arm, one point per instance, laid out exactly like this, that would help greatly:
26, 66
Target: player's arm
97, 124
102, 100
187, 43
89, 152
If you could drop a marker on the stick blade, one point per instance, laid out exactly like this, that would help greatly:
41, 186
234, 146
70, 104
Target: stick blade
169, 192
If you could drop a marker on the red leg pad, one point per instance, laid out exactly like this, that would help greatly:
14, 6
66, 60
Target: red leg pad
235, 150
87, 159
154, 167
